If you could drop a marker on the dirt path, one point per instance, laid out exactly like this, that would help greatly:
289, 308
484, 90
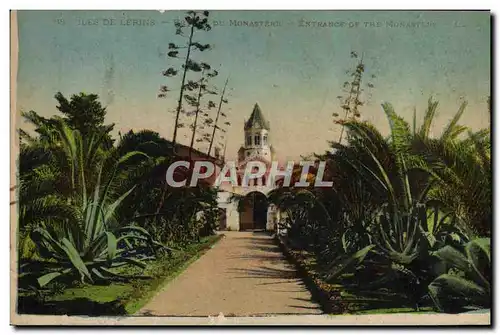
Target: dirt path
244, 274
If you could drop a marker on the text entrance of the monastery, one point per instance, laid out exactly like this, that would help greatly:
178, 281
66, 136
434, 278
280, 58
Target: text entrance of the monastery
253, 211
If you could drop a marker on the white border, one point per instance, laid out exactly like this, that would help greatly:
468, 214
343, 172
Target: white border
215, 4
254, 5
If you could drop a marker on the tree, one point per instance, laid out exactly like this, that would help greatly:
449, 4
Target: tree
219, 113
351, 101
83, 112
193, 22
195, 101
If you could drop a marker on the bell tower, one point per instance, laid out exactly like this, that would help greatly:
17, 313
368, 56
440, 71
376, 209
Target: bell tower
250, 211
256, 141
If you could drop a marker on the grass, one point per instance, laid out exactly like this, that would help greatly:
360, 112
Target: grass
97, 293
163, 273
118, 298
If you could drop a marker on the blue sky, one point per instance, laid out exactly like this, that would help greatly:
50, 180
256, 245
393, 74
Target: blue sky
295, 73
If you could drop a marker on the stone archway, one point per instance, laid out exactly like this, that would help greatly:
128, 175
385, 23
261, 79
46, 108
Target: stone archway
253, 211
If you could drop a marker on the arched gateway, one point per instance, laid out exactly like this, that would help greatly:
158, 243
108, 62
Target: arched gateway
253, 211
247, 207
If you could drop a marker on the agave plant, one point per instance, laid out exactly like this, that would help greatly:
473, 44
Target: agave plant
467, 284
396, 238
442, 227
77, 231
397, 258
93, 245
399, 234
108, 250
396, 268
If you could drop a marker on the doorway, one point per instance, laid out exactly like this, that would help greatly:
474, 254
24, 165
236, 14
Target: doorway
253, 211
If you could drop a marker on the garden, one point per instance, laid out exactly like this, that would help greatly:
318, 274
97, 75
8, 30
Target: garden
407, 224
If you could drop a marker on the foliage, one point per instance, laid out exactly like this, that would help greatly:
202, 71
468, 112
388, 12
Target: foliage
86, 207
352, 98
395, 202
83, 112
200, 112
215, 126
115, 298
185, 214
467, 284
87, 239
195, 78
193, 22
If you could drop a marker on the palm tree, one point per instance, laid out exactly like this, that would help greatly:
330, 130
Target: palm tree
461, 168
453, 169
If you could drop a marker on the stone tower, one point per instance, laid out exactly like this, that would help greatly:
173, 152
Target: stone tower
256, 141
251, 210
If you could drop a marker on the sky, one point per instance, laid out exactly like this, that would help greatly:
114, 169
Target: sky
293, 68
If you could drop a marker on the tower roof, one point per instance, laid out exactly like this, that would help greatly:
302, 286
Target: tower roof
256, 119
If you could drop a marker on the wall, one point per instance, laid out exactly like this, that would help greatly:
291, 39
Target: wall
231, 207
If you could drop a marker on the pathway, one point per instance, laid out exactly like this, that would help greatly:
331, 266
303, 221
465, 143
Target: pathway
244, 274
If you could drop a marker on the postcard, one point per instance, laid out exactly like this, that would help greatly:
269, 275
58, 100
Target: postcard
207, 167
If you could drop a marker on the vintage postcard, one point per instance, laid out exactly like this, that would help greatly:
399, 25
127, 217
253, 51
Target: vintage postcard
251, 167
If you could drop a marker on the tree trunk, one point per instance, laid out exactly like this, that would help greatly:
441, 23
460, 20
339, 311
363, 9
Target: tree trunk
196, 116
217, 118
179, 103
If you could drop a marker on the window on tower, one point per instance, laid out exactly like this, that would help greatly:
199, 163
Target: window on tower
264, 139
257, 139
249, 140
